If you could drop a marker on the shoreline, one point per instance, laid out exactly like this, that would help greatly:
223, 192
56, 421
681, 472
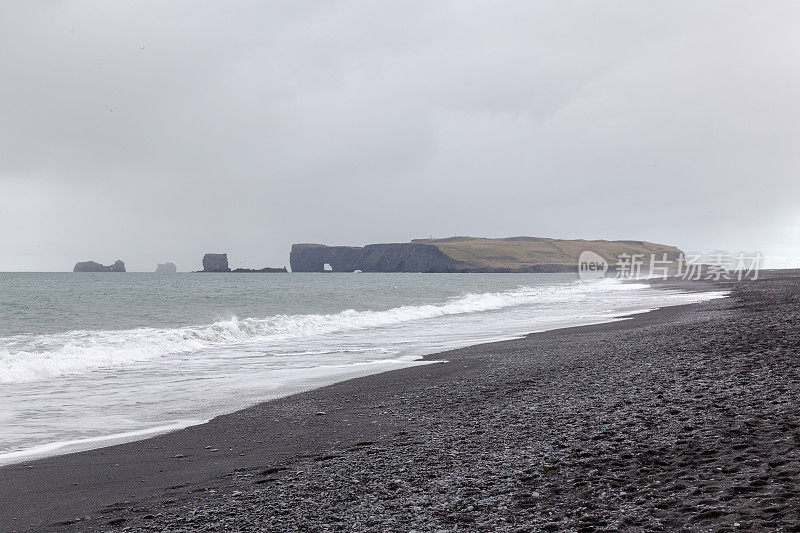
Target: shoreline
42, 451
444, 419
335, 374
91, 458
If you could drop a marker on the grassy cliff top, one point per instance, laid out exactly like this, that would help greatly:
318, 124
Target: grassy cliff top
516, 252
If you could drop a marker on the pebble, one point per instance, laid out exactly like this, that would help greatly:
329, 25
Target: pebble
610, 447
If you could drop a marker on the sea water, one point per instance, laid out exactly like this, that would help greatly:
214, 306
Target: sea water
92, 359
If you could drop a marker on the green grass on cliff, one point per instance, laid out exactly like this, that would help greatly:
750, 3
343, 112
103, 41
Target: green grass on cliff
517, 252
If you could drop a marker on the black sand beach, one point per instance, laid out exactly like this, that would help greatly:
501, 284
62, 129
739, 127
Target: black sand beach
683, 418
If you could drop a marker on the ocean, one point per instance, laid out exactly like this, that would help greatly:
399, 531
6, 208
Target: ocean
88, 360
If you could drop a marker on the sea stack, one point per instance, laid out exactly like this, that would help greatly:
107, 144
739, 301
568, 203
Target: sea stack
93, 266
215, 263
166, 268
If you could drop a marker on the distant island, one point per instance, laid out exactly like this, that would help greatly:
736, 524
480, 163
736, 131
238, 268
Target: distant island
166, 268
468, 254
93, 266
219, 263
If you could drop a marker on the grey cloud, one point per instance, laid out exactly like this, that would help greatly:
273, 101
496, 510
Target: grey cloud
159, 131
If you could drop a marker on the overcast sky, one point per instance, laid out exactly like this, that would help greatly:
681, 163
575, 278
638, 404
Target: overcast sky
158, 131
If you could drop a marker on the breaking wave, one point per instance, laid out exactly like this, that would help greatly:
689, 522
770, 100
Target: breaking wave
26, 358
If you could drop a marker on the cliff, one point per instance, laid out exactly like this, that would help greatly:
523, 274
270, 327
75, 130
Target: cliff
93, 266
538, 254
166, 268
468, 254
400, 257
215, 263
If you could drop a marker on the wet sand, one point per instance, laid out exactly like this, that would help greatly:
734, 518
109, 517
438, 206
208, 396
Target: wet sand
683, 418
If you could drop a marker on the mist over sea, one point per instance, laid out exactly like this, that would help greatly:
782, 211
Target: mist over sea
88, 359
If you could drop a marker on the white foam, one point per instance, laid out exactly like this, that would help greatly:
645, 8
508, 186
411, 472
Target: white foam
200, 372
44, 357
54, 448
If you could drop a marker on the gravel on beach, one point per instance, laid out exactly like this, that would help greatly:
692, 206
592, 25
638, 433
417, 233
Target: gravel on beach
682, 418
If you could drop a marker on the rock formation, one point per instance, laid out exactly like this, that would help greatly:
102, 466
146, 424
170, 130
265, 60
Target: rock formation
166, 268
265, 269
401, 257
469, 254
215, 263
93, 266
219, 263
